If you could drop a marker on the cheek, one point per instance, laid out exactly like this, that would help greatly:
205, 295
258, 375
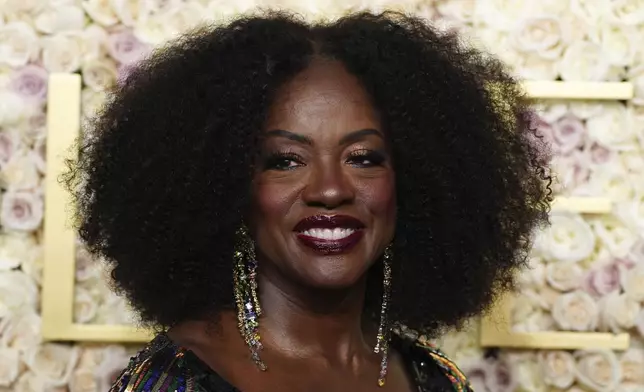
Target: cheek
380, 197
271, 202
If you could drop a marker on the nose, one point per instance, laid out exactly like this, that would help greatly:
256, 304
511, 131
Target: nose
328, 187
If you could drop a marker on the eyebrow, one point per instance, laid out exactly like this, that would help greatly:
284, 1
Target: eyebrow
346, 139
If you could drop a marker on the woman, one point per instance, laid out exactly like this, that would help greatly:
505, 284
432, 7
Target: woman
287, 202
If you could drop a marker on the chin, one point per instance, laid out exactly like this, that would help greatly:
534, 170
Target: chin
333, 274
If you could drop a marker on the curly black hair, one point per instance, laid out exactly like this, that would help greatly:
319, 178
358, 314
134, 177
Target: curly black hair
164, 171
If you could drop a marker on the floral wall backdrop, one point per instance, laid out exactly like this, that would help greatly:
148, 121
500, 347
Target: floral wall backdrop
587, 272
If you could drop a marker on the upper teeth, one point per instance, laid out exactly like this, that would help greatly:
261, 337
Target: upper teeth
329, 234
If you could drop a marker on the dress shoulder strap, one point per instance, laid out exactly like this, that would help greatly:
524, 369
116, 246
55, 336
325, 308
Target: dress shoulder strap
158, 367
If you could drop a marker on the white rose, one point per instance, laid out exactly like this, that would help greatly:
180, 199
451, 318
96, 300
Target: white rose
101, 11
569, 238
543, 35
503, 13
612, 128
632, 362
22, 331
585, 109
61, 53
633, 283
564, 276
583, 61
35, 127
115, 359
132, 12
33, 265
9, 361
617, 42
83, 380
614, 235
9, 143
92, 101
639, 323
182, 19
15, 8
99, 75
461, 344
21, 210
13, 108
462, 11
85, 307
633, 161
575, 311
627, 12
30, 382
571, 172
552, 112
533, 67
20, 173
53, 362
598, 370
18, 44
222, 10
618, 312
558, 368
39, 155
15, 249
60, 18
17, 291
590, 11
115, 311
533, 275
86, 267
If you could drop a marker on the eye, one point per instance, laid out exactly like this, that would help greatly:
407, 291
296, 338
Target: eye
366, 158
283, 161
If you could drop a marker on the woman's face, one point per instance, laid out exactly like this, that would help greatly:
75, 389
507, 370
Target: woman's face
324, 191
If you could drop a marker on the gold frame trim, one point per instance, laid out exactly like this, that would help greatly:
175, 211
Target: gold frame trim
63, 122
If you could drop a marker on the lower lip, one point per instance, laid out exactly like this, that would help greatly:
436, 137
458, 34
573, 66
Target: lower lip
331, 247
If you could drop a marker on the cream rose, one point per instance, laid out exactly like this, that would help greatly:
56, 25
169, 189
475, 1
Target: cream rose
86, 267
132, 12
21, 210
83, 380
85, 306
533, 67
627, 12
181, 19
15, 249
633, 283
60, 18
564, 276
9, 143
569, 238
462, 11
558, 368
583, 61
504, 13
53, 362
585, 109
20, 173
632, 362
639, 323
35, 127
618, 42
30, 382
461, 344
99, 75
576, 311
61, 53
115, 359
614, 235
33, 265
22, 331
17, 291
618, 312
13, 108
9, 366
92, 101
571, 171
598, 370
609, 180
527, 372
101, 11
542, 35
18, 44
612, 128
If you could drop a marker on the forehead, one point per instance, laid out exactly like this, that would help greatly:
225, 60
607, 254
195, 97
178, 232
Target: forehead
324, 93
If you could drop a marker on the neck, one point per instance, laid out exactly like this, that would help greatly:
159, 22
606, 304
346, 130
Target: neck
305, 322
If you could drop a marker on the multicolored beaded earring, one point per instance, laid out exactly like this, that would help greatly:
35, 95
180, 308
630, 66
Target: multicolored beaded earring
245, 287
384, 329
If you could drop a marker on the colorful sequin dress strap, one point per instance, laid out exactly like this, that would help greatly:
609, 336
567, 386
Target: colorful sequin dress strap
157, 368
452, 372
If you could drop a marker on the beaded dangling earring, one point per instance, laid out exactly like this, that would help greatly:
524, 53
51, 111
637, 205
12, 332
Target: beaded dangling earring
382, 342
245, 287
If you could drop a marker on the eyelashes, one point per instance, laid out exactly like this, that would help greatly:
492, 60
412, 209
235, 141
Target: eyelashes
286, 160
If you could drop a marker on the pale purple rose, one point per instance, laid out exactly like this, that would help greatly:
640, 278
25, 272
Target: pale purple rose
481, 374
8, 144
125, 48
39, 155
568, 134
21, 210
639, 323
30, 82
602, 280
599, 154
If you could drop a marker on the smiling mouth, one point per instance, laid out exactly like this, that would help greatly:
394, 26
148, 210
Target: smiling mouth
329, 234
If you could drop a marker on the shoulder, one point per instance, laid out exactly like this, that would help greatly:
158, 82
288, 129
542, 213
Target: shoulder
158, 367
451, 371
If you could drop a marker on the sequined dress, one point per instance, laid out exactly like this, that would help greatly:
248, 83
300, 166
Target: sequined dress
162, 366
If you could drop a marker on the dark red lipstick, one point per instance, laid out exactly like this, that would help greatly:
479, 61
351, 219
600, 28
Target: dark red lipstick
329, 234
